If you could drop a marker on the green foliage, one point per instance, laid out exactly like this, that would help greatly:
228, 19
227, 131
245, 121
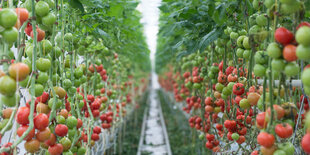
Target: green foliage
117, 24
189, 26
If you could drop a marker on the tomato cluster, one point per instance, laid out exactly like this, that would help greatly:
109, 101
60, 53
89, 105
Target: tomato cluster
239, 90
75, 87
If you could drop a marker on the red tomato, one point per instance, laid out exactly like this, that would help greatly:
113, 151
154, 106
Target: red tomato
41, 121
232, 78
51, 141
61, 130
261, 120
209, 145
80, 123
95, 137
303, 24
44, 135
209, 101
40, 34
210, 137
238, 89
241, 140
56, 149
22, 14
97, 130
229, 70
20, 131
284, 36
284, 130
255, 153
305, 143
32, 146
280, 112
22, 115
265, 139
289, 53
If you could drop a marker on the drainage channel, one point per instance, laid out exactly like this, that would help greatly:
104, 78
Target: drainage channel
154, 138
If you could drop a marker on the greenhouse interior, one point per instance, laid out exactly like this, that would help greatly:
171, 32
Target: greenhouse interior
154, 77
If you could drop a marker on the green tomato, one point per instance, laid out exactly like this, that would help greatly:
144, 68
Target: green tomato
291, 69
10, 101
60, 119
51, 102
226, 91
77, 83
8, 18
201, 136
67, 153
219, 87
260, 104
28, 63
259, 70
287, 147
307, 121
42, 78
240, 41
25, 82
42, 9
81, 151
39, 89
43, 64
49, 19
224, 96
290, 8
246, 43
269, 3
46, 46
277, 65
234, 35
66, 143
239, 52
255, 29
287, 1
71, 133
247, 54
78, 72
81, 104
244, 104
261, 20
7, 85
279, 152
67, 83
303, 35
57, 52
305, 76
68, 37
55, 78
214, 69
74, 149
302, 52
235, 136
230, 86
4, 122
10, 35
273, 50
255, 4
197, 85
242, 32
261, 57
71, 122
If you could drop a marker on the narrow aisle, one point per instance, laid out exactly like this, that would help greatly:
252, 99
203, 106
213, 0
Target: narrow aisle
154, 138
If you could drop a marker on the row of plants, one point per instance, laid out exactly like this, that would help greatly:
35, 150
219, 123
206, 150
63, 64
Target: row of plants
70, 71
233, 62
